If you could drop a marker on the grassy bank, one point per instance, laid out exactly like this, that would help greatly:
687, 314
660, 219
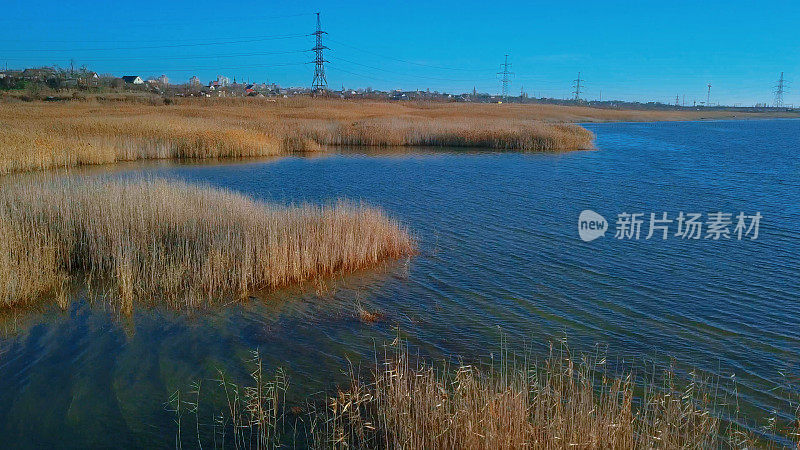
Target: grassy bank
39, 135
160, 242
564, 401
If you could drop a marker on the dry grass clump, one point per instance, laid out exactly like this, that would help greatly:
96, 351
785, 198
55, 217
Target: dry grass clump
28, 263
154, 241
36, 143
558, 404
504, 134
35, 136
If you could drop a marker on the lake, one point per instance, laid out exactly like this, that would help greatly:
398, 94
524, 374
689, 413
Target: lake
500, 258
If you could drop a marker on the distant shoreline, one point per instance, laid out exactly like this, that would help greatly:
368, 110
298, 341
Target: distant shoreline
42, 135
700, 120
108, 129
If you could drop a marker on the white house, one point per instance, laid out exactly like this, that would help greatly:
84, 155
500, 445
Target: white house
133, 79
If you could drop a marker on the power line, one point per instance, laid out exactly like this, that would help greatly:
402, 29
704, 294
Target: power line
504, 81
404, 60
339, 69
399, 73
199, 44
320, 83
235, 20
227, 55
216, 68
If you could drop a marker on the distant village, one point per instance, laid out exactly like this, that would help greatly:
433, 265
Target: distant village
56, 79
48, 83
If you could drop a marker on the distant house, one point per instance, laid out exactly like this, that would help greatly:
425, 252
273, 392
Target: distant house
132, 79
194, 81
38, 74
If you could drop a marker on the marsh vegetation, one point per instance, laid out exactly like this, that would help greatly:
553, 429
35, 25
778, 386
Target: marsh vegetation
160, 242
39, 136
566, 400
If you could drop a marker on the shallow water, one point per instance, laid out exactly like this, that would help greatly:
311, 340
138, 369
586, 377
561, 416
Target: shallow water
500, 255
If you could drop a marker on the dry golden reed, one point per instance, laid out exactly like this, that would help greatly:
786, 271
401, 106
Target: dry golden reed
36, 136
155, 241
567, 401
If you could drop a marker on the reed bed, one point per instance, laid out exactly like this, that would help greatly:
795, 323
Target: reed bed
559, 403
562, 402
36, 136
160, 242
565, 401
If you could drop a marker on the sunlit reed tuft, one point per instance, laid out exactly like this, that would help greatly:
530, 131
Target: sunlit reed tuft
160, 242
565, 401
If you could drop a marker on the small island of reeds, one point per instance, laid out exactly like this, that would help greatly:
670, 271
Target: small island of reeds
160, 242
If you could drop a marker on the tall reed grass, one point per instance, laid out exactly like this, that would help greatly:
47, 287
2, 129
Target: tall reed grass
252, 416
562, 402
36, 136
565, 401
154, 241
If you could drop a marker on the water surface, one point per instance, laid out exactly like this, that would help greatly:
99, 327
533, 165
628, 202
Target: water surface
500, 254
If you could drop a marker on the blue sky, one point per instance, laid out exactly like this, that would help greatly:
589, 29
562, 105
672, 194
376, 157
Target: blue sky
625, 50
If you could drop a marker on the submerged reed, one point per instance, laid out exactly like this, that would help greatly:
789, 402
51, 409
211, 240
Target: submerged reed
565, 401
41, 136
154, 241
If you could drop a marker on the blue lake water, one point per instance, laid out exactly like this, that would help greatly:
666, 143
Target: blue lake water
500, 256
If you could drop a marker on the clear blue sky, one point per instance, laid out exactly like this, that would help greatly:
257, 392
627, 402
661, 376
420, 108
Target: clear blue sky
628, 50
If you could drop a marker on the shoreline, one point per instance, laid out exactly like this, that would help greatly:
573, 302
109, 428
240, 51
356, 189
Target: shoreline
702, 120
42, 135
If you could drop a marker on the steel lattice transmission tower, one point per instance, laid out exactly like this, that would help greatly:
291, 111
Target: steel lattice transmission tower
708, 96
320, 83
780, 89
576, 83
504, 80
